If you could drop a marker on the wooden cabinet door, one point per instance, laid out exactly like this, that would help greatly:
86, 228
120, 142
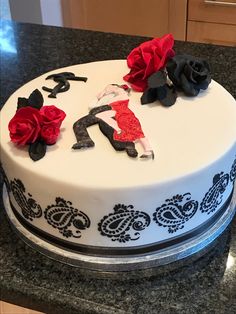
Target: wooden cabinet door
135, 17
212, 11
213, 33
212, 21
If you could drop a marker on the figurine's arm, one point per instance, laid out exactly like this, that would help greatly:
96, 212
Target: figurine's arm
106, 91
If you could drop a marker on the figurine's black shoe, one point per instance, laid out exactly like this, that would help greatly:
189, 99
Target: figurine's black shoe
83, 144
131, 151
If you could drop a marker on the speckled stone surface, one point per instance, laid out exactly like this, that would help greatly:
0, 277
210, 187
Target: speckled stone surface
201, 284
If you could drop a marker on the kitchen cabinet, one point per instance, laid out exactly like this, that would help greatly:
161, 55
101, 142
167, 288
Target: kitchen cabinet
208, 21
212, 21
7, 308
135, 17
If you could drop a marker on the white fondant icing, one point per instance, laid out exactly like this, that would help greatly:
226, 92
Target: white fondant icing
193, 140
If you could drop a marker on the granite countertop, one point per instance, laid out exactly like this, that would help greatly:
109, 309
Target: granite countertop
206, 284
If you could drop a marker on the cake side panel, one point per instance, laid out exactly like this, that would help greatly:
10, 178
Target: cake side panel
119, 218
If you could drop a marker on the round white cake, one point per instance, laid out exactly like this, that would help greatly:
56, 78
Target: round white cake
101, 201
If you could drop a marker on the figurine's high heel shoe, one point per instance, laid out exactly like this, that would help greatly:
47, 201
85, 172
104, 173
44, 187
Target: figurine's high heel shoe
148, 154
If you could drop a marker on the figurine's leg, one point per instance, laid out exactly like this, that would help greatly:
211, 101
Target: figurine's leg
148, 152
108, 131
107, 117
81, 133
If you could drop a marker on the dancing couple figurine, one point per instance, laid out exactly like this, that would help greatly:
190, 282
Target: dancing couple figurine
116, 121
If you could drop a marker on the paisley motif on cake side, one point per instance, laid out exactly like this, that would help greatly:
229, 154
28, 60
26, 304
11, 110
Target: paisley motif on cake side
173, 214
124, 224
29, 207
67, 219
214, 196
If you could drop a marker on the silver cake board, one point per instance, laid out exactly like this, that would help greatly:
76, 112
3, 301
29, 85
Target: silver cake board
196, 246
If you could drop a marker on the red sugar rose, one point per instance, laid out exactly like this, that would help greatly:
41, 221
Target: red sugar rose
25, 126
50, 133
52, 114
147, 59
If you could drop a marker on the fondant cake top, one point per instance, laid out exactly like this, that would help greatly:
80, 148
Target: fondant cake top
185, 137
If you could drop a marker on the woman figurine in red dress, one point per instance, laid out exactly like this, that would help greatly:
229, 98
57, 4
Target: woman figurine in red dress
117, 122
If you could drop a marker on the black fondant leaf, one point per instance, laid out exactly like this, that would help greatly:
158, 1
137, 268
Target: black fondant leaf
36, 99
22, 102
158, 89
149, 96
170, 96
165, 94
161, 92
157, 79
37, 150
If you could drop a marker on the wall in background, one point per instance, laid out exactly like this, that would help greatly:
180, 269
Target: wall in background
5, 13
26, 11
37, 11
51, 12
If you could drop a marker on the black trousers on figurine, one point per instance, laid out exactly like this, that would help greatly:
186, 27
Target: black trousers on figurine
83, 139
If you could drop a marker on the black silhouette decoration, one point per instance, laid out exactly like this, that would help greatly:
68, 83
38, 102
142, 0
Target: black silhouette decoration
116, 121
63, 84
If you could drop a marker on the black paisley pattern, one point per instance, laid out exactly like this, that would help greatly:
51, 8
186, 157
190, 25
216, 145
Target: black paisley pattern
232, 174
29, 207
215, 194
174, 214
124, 224
67, 219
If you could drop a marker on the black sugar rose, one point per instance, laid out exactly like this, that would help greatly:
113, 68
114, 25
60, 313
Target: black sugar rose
189, 74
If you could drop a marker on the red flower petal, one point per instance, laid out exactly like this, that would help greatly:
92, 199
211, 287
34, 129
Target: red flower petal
25, 126
148, 58
50, 133
52, 114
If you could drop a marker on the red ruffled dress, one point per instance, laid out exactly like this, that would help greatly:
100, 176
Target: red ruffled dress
127, 122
